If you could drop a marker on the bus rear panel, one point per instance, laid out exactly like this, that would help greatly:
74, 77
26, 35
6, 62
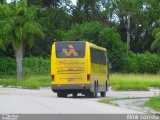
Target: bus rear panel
71, 69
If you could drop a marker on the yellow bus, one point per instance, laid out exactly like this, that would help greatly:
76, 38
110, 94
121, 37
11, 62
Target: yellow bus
79, 67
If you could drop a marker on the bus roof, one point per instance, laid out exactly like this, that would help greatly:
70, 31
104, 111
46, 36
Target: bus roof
96, 46
90, 44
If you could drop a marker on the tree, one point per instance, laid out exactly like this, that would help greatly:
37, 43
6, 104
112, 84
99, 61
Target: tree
87, 31
103, 36
144, 13
2, 1
116, 48
87, 11
156, 43
19, 27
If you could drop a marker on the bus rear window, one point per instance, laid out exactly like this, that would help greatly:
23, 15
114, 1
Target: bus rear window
70, 49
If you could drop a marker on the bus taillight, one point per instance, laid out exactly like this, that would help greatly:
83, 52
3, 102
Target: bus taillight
52, 77
88, 77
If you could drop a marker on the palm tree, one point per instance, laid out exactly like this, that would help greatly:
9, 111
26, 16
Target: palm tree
156, 43
19, 27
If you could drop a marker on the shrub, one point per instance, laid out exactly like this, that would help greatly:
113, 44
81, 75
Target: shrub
149, 62
31, 66
130, 64
7, 66
110, 39
143, 63
36, 65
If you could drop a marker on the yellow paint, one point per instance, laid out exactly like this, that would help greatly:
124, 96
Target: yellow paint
75, 70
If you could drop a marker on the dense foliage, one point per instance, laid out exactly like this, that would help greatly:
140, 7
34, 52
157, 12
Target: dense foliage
106, 37
36, 24
143, 63
19, 27
31, 66
134, 63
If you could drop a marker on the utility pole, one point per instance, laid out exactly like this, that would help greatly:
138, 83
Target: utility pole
128, 32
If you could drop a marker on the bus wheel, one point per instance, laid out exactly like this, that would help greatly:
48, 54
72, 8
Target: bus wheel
60, 94
90, 94
95, 90
74, 95
93, 94
103, 94
106, 86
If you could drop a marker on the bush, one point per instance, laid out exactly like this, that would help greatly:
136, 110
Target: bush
36, 65
143, 63
149, 62
7, 66
110, 39
31, 66
130, 65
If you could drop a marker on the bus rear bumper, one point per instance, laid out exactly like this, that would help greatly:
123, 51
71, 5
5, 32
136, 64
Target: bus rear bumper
61, 87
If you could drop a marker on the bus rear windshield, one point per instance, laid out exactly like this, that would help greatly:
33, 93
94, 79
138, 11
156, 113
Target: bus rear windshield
70, 49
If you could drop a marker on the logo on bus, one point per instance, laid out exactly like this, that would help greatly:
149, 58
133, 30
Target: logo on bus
70, 51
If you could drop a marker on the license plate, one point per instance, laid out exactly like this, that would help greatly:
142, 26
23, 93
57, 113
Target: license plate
70, 79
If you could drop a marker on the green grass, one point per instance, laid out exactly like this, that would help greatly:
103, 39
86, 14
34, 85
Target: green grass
117, 81
134, 81
108, 101
30, 82
154, 103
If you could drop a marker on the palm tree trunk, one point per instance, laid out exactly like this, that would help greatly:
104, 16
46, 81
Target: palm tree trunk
19, 57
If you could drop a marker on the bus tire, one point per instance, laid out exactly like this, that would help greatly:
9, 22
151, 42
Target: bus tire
103, 94
61, 94
74, 95
90, 94
106, 86
93, 94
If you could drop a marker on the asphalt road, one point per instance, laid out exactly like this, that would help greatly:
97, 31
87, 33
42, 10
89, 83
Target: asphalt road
25, 101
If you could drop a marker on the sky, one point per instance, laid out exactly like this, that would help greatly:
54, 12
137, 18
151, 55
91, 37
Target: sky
74, 1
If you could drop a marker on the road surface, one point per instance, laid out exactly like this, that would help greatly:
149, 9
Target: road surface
25, 101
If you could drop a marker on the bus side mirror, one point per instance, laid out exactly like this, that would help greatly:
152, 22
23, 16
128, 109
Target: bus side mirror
110, 67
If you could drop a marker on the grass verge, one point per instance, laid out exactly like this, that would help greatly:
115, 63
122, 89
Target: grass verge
31, 82
134, 81
117, 81
154, 103
108, 101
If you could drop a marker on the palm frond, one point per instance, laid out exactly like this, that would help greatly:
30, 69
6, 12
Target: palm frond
19, 25
156, 43
155, 31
